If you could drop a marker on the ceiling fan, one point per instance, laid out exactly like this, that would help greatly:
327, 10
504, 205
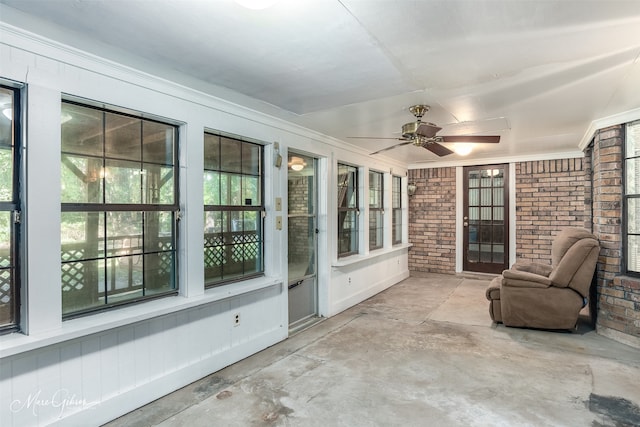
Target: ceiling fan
423, 134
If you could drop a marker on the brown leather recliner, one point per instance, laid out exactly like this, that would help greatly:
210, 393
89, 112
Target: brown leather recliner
547, 296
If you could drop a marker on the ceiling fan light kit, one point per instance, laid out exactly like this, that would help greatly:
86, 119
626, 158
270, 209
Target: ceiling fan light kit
424, 134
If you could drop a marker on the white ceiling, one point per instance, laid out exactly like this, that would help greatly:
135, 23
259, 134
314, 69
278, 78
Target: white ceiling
535, 72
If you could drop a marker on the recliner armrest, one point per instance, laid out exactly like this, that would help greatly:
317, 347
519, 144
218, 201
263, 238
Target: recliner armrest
533, 267
524, 279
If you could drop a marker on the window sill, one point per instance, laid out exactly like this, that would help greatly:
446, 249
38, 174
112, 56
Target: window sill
17, 343
355, 259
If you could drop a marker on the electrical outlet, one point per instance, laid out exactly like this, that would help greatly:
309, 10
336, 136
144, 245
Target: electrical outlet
278, 223
236, 319
349, 279
278, 204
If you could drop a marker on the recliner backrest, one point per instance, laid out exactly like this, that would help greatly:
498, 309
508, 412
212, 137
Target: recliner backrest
574, 256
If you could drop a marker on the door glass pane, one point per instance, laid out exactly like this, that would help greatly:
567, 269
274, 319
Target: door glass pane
301, 217
473, 255
474, 197
485, 197
301, 247
486, 254
498, 254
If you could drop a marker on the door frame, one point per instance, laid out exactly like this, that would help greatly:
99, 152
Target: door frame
317, 161
511, 185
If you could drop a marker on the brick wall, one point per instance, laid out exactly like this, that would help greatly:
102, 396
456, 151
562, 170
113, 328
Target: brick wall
618, 296
550, 196
432, 220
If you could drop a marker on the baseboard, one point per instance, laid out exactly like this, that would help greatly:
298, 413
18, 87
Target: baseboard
357, 298
621, 337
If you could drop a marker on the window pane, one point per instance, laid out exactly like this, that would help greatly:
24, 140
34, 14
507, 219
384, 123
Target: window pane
158, 231
633, 216
122, 137
235, 190
396, 192
211, 188
81, 130
251, 159
397, 226
124, 233
158, 185
251, 191
211, 152
375, 190
230, 155
157, 142
348, 233
159, 273
81, 179
83, 285
82, 235
633, 140
633, 176
6, 174
375, 229
7, 303
124, 278
633, 250
347, 186
122, 182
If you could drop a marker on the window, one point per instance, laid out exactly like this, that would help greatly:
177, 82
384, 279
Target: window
233, 224
632, 198
9, 208
347, 210
396, 207
119, 208
376, 210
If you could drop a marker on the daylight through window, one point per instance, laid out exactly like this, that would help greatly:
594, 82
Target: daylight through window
119, 206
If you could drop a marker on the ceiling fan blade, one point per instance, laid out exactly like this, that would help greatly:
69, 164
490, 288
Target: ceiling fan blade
428, 130
374, 137
470, 138
437, 149
392, 147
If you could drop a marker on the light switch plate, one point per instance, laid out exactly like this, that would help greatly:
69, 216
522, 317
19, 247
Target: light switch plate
278, 223
278, 204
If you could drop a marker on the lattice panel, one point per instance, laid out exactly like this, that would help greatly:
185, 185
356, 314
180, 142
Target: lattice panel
245, 247
72, 254
213, 240
165, 265
72, 276
214, 257
5, 261
5, 286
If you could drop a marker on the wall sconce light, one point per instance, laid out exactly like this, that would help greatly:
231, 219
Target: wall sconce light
411, 189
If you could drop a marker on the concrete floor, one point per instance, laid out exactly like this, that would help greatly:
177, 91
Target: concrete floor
423, 353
